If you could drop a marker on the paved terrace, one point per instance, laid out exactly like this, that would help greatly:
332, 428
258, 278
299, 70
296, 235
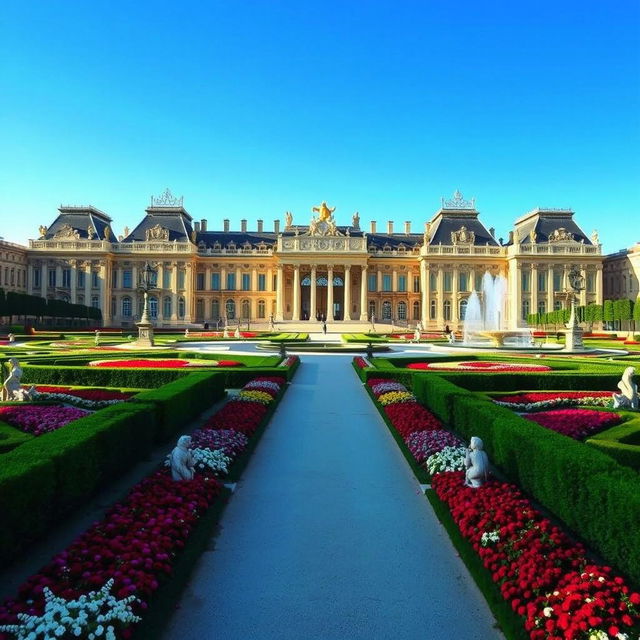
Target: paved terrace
328, 534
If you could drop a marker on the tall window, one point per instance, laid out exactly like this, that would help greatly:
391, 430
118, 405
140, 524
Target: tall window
262, 284
215, 281
81, 275
126, 279
262, 309
66, 277
525, 309
557, 280
448, 278
447, 310
542, 306
477, 285
462, 309
372, 308
386, 310
416, 310
166, 307
463, 281
591, 282
525, 277
433, 280
246, 284
215, 308
153, 306
181, 307
95, 302
181, 278
230, 308
52, 277
245, 309
402, 310
114, 279
386, 282
126, 307
372, 280
113, 306
433, 310
557, 305
166, 279
402, 283
542, 281
231, 281
95, 282
416, 284
200, 281
36, 278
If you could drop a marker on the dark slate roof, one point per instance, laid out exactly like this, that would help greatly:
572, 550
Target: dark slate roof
545, 222
445, 223
175, 219
240, 238
394, 240
80, 219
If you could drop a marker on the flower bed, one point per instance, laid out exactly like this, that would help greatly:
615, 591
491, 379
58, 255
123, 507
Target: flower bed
146, 364
479, 365
541, 573
361, 363
536, 401
575, 423
39, 419
85, 398
423, 444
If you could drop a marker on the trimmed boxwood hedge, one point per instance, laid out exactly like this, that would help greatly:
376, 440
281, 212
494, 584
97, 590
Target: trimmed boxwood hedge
589, 491
10, 437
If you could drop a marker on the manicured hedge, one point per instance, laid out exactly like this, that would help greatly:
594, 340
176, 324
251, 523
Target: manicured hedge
594, 495
10, 437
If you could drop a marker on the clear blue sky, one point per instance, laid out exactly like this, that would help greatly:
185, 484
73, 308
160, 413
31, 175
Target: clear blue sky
249, 109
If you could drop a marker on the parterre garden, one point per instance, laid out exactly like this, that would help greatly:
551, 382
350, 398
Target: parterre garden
552, 538
96, 413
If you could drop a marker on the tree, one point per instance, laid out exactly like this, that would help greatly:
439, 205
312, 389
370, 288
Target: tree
623, 312
607, 313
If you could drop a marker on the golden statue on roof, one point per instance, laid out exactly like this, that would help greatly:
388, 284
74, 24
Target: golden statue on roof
324, 212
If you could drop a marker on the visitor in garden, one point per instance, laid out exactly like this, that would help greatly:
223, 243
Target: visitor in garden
324, 327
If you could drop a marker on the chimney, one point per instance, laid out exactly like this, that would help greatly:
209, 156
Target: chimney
276, 226
407, 227
390, 227
260, 226
492, 232
243, 226
203, 225
225, 224
196, 226
373, 226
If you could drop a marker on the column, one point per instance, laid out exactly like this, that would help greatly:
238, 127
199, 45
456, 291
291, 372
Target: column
550, 288
534, 288
189, 302
424, 294
455, 318
207, 279
279, 293
134, 278
599, 297
58, 275
440, 300
159, 292
105, 302
330, 292
363, 295
313, 309
119, 278
73, 282
347, 292
174, 292
296, 293
583, 293
43, 278
87, 283
516, 305
394, 281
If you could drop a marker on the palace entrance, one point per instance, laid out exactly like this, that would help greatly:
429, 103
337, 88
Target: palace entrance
322, 286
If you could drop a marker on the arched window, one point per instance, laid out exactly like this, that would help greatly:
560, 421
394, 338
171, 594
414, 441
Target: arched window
153, 306
245, 309
386, 310
557, 305
416, 310
215, 309
181, 307
166, 307
462, 309
230, 308
261, 309
542, 307
126, 307
95, 302
372, 308
525, 309
402, 310
433, 310
447, 310
200, 309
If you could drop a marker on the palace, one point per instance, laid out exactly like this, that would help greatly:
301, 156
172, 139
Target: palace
325, 267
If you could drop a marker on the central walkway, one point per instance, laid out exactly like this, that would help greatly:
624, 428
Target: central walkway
328, 535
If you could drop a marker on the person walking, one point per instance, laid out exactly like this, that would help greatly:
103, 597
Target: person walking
324, 327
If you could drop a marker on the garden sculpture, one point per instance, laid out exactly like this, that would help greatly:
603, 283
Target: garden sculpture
476, 463
181, 460
12, 338
628, 396
12, 389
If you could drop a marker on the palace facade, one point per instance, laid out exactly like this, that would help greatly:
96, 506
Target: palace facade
321, 268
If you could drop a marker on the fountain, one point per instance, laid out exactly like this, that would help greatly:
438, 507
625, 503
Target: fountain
484, 320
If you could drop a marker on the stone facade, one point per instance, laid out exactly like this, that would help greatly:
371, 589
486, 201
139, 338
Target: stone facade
317, 269
13, 267
622, 274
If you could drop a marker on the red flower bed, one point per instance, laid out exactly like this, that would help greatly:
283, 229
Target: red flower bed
542, 396
539, 570
478, 365
96, 395
230, 363
360, 362
142, 364
575, 423
238, 415
408, 418
134, 544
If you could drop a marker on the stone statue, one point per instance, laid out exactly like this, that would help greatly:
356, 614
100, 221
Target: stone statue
181, 460
236, 333
324, 212
355, 220
90, 233
288, 219
126, 231
477, 464
186, 332
426, 238
194, 235
628, 396
533, 236
12, 389
594, 237
12, 338
97, 338
107, 233
463, 236
313, 227
416, 334
42, 230
225, 333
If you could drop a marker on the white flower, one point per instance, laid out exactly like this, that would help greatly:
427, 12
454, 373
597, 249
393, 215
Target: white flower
547, 611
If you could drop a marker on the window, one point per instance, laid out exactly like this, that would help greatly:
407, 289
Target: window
246, 284
166, 279
372, 280
230, 308
166, 307
542, 281
416, 310
542, 306
215, 281
126, 279
462, 309
153, 307
591, 282
262, 285
386, 282
181, 306
126, 307
557, 280
416, 284
402, 283
245, 309
13, 276
215, 309
525, 281
447, 310
433, 281
525, 309
274, 283
433, 310
181, 278
66, 277
52, 277
477, 285
200, 281
95, 302
262, 313
95, 283
113, 306
402, 310
448, 278
231, 281
386, 310
81, 275
36, 278
463, 281
557, 305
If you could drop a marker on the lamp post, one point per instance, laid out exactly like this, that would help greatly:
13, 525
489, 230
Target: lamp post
145, 326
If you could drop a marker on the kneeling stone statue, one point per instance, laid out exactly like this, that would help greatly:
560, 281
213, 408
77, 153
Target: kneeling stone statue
181, 460
628, 396
476, 463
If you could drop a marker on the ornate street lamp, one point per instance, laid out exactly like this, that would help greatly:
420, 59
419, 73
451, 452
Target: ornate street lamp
145, 326
573, 340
